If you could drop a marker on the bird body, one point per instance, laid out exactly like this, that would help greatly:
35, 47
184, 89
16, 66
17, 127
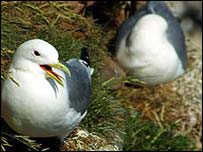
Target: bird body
146, 45
37, 105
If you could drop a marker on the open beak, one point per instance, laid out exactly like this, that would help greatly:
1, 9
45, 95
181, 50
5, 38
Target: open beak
54, 75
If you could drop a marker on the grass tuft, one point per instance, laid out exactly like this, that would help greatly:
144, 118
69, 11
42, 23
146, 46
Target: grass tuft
146, 136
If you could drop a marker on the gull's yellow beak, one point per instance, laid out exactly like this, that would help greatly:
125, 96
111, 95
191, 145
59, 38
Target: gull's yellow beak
62, 67
53, 74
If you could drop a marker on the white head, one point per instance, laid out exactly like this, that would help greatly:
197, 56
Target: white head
36, 51
38, 56
154, 23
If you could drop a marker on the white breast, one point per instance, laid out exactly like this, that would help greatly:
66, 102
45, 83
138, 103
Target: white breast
40, 113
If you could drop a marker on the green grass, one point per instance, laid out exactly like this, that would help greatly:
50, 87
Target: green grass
147, 136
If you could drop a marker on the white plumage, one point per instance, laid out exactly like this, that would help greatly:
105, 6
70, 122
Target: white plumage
40, 101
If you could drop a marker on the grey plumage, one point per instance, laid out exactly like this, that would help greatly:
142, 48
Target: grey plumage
79, 85
126, 27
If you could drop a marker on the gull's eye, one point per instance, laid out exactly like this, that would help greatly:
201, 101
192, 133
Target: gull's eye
36, 53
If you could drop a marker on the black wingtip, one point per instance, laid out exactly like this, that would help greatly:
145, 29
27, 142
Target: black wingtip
84, 55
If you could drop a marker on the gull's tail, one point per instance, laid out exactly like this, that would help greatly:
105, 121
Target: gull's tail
84, 56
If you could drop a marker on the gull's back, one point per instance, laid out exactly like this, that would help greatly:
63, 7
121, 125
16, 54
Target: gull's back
79, 85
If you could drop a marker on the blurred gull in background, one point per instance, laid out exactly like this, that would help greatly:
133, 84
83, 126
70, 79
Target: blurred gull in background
150, 45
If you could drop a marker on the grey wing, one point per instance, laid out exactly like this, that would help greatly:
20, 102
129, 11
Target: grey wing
175, 34
177, 39
127, 26
79, 85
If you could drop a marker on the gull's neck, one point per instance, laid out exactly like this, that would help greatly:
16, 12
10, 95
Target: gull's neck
26, 66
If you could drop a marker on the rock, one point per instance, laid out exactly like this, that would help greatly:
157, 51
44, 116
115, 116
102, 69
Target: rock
82, 140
